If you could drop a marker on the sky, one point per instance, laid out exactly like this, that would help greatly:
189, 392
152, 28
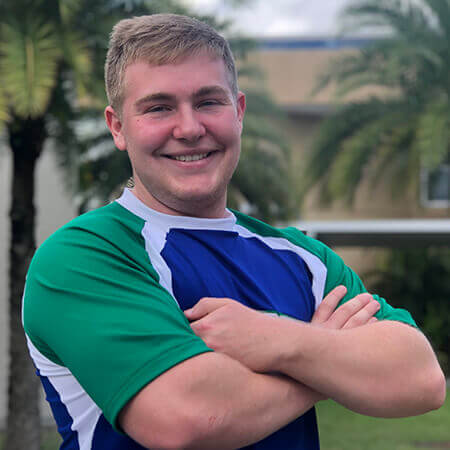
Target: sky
278, 17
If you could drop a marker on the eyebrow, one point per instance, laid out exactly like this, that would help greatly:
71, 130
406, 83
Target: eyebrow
157, 97
166, 97
211, 90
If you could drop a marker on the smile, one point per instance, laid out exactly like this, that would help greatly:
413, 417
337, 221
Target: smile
189, 158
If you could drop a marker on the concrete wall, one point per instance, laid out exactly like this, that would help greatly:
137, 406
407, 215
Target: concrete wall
54, 208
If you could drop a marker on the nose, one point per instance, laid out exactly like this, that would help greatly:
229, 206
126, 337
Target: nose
188, 126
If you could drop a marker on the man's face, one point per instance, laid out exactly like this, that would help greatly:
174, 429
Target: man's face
181, 127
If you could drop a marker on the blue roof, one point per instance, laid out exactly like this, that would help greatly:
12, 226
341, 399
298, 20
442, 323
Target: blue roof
312, 43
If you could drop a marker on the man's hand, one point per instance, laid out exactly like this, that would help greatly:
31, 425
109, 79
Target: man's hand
229, 327
251, 336
358, 311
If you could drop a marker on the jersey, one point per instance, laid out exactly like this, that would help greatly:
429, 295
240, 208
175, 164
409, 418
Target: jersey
104, 299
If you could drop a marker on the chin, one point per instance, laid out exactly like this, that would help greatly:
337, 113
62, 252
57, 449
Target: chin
201, 204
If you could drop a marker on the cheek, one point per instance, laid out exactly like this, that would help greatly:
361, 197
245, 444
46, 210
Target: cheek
228, 131
147, 137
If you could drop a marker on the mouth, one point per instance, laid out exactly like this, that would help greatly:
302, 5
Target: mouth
189, 158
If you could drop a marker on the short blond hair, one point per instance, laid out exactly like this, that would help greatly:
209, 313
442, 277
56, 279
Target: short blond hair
160, 39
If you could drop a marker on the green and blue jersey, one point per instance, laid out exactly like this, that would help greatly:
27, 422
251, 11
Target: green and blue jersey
105, 294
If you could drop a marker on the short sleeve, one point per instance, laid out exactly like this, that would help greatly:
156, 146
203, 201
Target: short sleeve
337, 273
100, 311
340, 274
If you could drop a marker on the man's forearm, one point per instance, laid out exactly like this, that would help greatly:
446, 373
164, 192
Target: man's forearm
383, 369
212, 398
379, 368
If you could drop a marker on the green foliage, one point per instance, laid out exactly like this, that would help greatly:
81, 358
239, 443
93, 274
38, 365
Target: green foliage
419, 280
262, 184
402, 130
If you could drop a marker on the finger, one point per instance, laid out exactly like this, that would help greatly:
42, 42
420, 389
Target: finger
373, 320
329, 304
205, 306
198, 327
364, 315
346, 311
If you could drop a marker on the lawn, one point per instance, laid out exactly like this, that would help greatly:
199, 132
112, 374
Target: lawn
341, 429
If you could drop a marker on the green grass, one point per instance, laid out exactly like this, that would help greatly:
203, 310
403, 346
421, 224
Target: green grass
341, 429
51, 440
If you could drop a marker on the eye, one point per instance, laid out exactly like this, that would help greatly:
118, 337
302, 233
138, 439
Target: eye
210, 102
158, 109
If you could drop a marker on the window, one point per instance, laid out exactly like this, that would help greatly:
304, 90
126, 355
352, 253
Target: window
435, 187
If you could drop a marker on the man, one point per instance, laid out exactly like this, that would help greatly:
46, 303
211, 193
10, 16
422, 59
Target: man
104, 299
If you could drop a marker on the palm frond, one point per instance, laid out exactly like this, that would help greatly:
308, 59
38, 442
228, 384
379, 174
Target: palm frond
433, 133
334, 131
389, 160
407, 19
4, 113
349, 166
28, 65
440, 10
79, 59
412, 61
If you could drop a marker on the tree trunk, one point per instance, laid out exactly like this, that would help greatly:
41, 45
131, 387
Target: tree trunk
26, 139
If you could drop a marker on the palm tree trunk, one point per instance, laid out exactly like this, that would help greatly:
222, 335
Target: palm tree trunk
26, 138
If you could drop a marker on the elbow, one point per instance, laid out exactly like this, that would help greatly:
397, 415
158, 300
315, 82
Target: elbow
435, 390
180, 431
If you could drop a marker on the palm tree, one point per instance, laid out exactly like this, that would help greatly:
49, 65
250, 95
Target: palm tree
47, 74
388, 138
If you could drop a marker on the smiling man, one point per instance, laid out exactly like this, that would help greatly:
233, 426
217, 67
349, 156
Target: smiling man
181, 132
165, 320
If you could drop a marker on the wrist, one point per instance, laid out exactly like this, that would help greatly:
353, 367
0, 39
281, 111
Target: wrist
304, 345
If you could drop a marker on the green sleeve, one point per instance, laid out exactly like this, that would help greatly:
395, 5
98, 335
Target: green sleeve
338, 273
100, 311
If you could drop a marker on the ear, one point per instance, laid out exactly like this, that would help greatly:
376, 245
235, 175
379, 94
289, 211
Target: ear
240, 106
115, 126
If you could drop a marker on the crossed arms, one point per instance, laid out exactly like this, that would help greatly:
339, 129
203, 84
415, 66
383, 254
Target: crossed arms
267, 371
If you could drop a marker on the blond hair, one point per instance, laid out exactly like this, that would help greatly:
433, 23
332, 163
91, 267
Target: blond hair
160, 39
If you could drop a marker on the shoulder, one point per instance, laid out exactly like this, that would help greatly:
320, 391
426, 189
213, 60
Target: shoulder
111, 234
291, 234
106, 221
111, 223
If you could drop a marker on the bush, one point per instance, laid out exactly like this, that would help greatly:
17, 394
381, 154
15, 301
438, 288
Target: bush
419, 281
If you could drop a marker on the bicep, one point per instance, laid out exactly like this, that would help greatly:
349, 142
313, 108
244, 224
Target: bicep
179, 399
107, 320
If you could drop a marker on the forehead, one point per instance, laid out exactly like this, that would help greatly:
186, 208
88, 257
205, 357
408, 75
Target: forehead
176, 78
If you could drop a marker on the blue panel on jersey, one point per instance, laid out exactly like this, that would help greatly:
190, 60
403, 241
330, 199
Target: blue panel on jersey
223, 264
62, 417
105, 438
298, 435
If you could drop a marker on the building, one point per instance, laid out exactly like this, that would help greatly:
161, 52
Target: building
292, 67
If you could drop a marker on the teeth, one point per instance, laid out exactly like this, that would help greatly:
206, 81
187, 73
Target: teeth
188, 158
